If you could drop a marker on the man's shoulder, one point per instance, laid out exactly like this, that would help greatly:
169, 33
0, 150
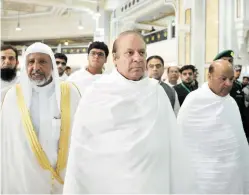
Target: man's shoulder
167, 86
164, 84
237, 85
73, 87
76, 74
9, 95
178, 86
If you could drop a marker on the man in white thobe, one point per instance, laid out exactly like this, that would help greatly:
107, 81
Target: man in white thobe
97, 57
212, 128
9, 63
125, 138
36, 121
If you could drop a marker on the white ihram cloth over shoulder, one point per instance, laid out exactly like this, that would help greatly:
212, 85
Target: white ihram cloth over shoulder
125, 140
83, 79
213, 131
20, 170
6, 85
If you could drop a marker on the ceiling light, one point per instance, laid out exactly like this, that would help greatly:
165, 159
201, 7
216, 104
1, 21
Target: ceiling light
80, 26
66, 43
18, 27
97, 14
173, 23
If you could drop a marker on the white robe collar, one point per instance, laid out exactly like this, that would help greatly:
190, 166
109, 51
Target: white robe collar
43, 89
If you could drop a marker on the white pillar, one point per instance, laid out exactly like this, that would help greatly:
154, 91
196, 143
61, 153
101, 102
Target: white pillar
102, 30
23, 50
169, 30
242, 28
226, 24
198, 15
58, 50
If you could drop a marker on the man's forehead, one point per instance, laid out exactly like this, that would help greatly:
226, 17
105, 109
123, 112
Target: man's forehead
97, 50
38, 55
60, 59
154, 61
188, 70
174, 68
129, 39
227, 57
8, 52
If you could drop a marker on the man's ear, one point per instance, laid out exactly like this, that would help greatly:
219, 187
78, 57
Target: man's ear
114, 57
209, 76
17, 62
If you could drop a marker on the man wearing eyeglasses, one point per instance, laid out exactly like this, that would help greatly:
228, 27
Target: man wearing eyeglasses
185, 87
61, 62
97, 57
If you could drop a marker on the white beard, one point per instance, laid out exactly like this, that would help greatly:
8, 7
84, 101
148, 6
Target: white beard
40, 82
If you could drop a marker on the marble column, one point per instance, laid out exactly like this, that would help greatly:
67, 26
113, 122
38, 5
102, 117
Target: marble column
198, 37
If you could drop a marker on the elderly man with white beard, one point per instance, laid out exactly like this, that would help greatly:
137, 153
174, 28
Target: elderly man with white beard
36, 121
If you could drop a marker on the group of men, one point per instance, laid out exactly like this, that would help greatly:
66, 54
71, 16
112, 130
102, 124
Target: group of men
123, 132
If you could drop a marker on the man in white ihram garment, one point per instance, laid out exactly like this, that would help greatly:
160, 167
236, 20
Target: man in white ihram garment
36, 121
97, 57
125, 137
213, 132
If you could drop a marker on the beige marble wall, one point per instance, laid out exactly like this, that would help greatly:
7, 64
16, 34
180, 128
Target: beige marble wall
238, 8
212, 29
180, 34
188, 38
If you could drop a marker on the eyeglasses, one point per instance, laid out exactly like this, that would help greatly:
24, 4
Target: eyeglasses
155, 65
62, 63
99, 54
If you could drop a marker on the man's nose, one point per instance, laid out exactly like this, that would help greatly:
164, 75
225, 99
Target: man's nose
36, 66
229, 82
137, 57
7, 61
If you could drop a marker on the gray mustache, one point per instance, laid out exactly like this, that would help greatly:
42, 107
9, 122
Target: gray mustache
37, 72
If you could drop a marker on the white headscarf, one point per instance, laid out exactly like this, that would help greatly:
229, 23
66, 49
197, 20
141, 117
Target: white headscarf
25, 80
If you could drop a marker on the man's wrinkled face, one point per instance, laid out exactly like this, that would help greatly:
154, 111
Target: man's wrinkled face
155, 68
39, 68
187, 76
97, 58
173, 74
130, 57
8, 65
221, 80
61, 65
